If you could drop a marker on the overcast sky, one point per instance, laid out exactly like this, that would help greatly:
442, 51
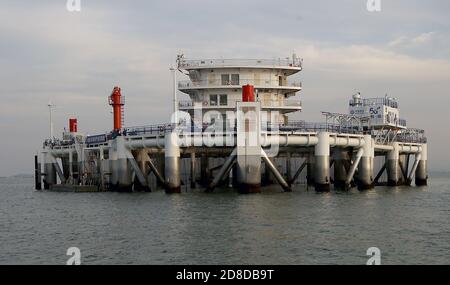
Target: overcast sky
75, 58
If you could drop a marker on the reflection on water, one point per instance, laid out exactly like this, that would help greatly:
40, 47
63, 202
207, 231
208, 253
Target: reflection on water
408, 224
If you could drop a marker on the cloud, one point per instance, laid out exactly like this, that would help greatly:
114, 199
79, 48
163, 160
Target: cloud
425, 45
364, 62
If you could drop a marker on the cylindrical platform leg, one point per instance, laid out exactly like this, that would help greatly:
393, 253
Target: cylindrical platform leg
288, 166
65, 162
322, 163
172, 163
392, 168
249, 174
310, 166
204, 173
125, 183
365, 168
403, 172
341, 159
49, 171
37, 173
422, 171
141, 160
120, 169
114, 177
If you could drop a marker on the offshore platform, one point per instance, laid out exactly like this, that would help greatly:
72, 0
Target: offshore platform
235, 132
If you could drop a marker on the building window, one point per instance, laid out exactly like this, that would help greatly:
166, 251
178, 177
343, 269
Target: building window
213, 100
225, 79
223, 100
235, 79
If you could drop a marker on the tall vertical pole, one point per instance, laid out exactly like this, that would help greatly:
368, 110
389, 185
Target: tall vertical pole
175, 107
50, 106
192, 170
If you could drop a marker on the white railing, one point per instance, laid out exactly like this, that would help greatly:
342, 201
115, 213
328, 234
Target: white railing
287, 62
286, 103
184, 84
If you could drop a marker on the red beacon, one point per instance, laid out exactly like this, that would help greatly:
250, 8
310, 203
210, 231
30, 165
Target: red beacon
73, 125
117, 101
248, 93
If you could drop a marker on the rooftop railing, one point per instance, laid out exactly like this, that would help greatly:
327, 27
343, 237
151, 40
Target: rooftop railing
390, 102
287, 62
388, 136
411, 136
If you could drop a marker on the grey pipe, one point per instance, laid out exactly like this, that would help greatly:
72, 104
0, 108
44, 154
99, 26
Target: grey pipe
353, 167
275, 172
223, 171
156, 172
136, 169
414, 168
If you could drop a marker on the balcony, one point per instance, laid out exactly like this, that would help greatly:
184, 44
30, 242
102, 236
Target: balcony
287, 63
186, 85
287, 105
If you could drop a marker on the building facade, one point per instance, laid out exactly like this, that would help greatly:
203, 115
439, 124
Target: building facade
216, 85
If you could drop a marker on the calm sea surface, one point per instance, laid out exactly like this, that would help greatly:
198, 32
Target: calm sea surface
408, 224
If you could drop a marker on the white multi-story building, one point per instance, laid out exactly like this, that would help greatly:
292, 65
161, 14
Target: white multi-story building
216, 84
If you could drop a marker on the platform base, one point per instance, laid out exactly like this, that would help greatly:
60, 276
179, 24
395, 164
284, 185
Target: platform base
249, 188
421, 182
322, 187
